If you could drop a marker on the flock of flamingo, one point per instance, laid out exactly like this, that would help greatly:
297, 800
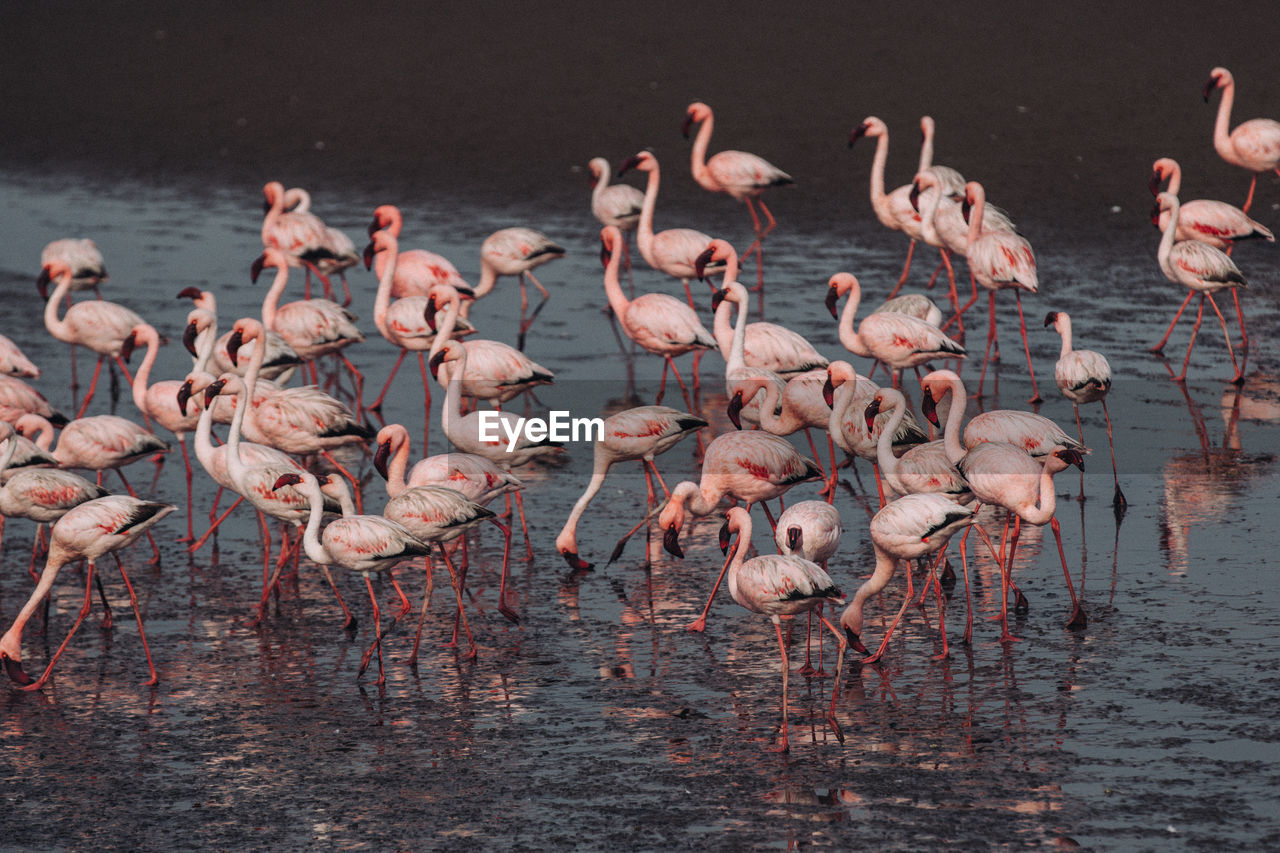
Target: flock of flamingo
287, 448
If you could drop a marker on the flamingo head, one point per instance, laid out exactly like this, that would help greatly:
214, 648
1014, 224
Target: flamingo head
291, 479
929, 406
671, 519
129, 344
696, 113
833, 299
380, 457
184, 395
233, 346
190, 293
714, 254
213, 389
671, 541
1218, 78
1160, 171
795, 539
610, 238
725, 537
575, 562
14, 669
51, 272
1051, 319
1067, 456
189, 335
596, 168
449, 352
567, 545
718, 297
871, 126
735, 409
385, 216
382, 241
869, 414
644, 161
829, 390
272, 192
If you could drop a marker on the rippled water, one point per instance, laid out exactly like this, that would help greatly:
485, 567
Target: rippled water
599, 721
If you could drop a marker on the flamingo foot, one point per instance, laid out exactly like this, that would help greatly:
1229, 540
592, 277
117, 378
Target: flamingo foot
14, 670
948, 576
1006, 637
1079, 620
699, 624
835, 727
512, 616
1119, 501
1021, 605
807, 669
820, 673
783, 745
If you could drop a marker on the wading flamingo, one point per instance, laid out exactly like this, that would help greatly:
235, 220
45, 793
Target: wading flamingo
417, 270
810, 530
618, 205
848, 393
516, 251
88, 270
341, 249
301, 236
209, 349
1253, 145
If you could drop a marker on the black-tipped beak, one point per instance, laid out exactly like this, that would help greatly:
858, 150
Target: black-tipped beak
794, 538
374, 227
869, 415
671, 541
189, 293
380, 458
718, 297
700, 263
914, 196
575, 562
14, 669
213, 390
368, 256
1050, 318
735, 410
965, 209
189, 335
833, 298
42, 285
126, 348
857, 133
629, 163
184, 395
854, 642
1154, 183
1209, 87
929, 407
435, 362
255, 269
286, 480
233, 347
1072, 457
725, 536
429, 313
829, 392
606, 254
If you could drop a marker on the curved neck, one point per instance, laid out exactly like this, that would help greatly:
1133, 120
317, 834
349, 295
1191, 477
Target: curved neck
451, 412
738, 346
739, 556
272, 300
397, 466
778, 424
849, 338
885, 566
1175, 180
612, 286
926, 146
235, 464
975, 216
879, 200
1048, 498
10, 447
393, 227
884, 447
206, 340
386, 275
698, 158
951, 427
143, 374
316, 552
644, 231
58, 328
273, 216
204, 438
1166, 239
928, 216
1222, 126
1064, 329
444, 329
568, 537
602, 181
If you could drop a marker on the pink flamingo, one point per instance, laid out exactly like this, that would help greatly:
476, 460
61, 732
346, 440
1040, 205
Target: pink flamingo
1084, 376
209, 349
417, 270
17, 398
158, 401
301, 236
83, 256
911, 527
894, 209
360, 543
100, 326
999, 260
659, 323
618, 205
341, 251
923, 468
498, 372
675, 250
638, 434
1035, 434
767, 345
475, 477
898, 340
1202, 269
13, 362
311, 327
516, 251
741, 175
785, 410
810, 530
779, 586
1253, 145
848, 394
86, 532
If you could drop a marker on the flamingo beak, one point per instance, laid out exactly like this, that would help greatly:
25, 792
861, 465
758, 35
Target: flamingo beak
435, 362
629, 163
368, 256
1072, 457
255, 269
189, 335
1154, 183
873, 409
380, 458
833, 297
854, 642
184, 395
286, 480
858, 132
671, 541
700, 263
914, 196
14, 669
233, 347
374, 227
575, 562
126, 348
606, 253
617, 551
929, 407
829, 392
725, 536
718, 297
1156, 210
189, 293
42, 285
794, 536
213, 390
735, 410
1050, 319
1209, 87
965, 209
685, 125
430, 313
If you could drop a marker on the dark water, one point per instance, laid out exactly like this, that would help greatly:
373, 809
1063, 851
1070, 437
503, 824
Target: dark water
599, 721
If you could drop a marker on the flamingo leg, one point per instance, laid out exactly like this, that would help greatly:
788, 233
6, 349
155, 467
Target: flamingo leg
328, 285
662, 386
355, 485
1079, 434
213, 510
422, 616
349, 621
813, 448
1078, 617
377, 634
405, 605
783, 744
107, 621
906, 268
1026, 348
346, 289
942, 614
504, 608
268, 578
700, 624
1169, 331
1195, 330
841, 645
200, 542
1118, 500
1222, 321
524, 525
683, 390
426, 390
953, 294
968, 600
1253, 184
93, 384
376, 405
973, 282
457, 593
84, 611
142, 632
186, 462
991, 336
884, 643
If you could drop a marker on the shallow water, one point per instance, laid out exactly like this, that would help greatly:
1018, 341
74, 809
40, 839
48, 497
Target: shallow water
599, 721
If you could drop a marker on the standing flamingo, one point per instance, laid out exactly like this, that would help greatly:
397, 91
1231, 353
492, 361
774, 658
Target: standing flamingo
778, 586
209, 349
1204, 270
301, 236
86, 532
516, 251
475, 477
638, 434
1084, 376
798, 405
618, 205
100, 326
88, 270
675, 250
810, 530
911, 527
417, 270
659, 323
741, 175
361, 543
341, 250
924, 468
1253, 145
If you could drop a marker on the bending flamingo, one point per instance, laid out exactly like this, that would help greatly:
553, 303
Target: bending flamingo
1253, 145
618, 205
810, 530
86, 532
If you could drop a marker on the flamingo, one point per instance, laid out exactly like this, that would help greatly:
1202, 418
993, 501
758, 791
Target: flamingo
360, 543
1084, 376
402, 322
659, 323
618, 205
1253, 145
1204, 270
301, 236
1217, 223
341, 251
924, 468
796, 406
417, 270
17, 398
158, 401
741, 175
810, 530
913, 305
30, 454
911, 527
100, 326
516, 251
475, 477
898, 340
999, 260
779, 586
1035, 434
675, 250
88, 269
13, 362
638, 434
311, 327
768, 345
86, 532
209, 350
894, 209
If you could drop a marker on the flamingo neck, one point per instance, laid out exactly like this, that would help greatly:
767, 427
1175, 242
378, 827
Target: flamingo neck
273, 216
613, 286
1065, 331
602, 183
235, 464
57, 327
739, 556
783, 424
1175, 180
1222, 125
880, 201
1166, 239
444, 330
698, 158
206, 340
885, 566
850, 339
393, 227
926, 147
143, 374
395, 470
271, 301
488, 277
10, 448
738, 346
644, 231
1048, 498
884, 447
311, 543
928, 216
951, 427
11, 642
975, 216
451, 412
568, 537
204, 438
386, 275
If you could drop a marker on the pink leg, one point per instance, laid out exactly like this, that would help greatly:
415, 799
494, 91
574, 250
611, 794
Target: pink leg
683, 390
884, 644
783, 743
662, 386
1169, 331
93, 384
700, 624
457, 593
504, 608
422, 616
1195, 330
906, 268
1078, 618
991, 336
200, 542
377, 635
1248, 202
84, 611
355, 485
376, 405
1026, 348
133, 601
1238, 378
1118, 499
186, 461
